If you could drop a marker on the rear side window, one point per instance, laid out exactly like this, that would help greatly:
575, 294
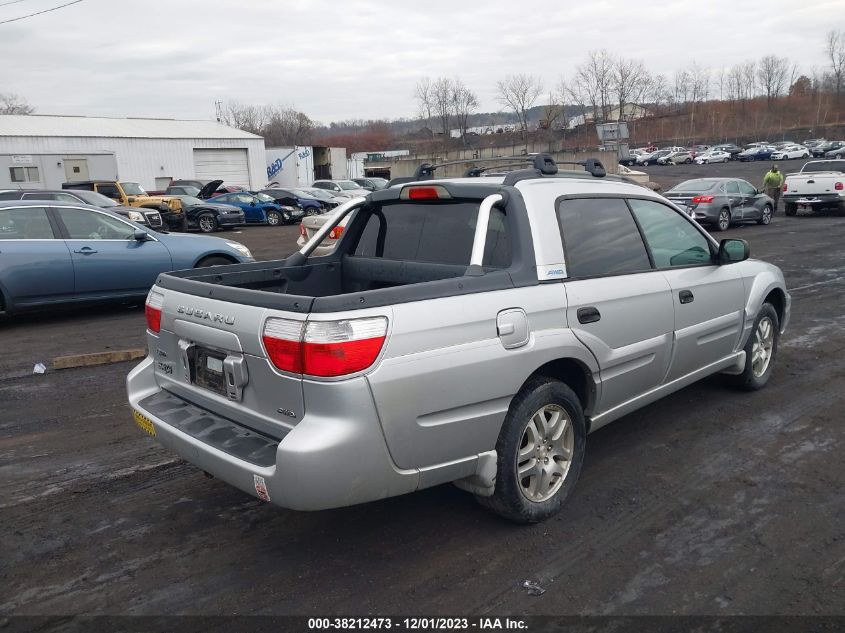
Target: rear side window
29, 223
434, 233
601, 238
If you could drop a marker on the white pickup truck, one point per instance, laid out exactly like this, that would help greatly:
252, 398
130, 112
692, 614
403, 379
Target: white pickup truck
819, 185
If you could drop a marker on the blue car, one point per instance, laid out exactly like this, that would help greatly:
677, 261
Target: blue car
63, 252
757, 153
259, 208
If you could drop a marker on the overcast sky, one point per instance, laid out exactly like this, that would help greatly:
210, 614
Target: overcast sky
342, 59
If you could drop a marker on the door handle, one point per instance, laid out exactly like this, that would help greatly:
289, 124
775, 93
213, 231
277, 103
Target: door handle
589, 314
85, 250
686, 296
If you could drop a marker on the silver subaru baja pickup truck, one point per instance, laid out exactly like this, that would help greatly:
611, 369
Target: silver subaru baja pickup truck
470, 330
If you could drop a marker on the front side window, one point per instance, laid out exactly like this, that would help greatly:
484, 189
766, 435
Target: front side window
746, 189
601, 238
82, 224
672, 239
245, 199
29, 223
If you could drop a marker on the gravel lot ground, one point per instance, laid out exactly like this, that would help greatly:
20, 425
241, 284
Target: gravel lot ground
710, 501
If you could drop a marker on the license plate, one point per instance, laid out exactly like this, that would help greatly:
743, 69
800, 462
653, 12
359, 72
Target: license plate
144, 423
208, 370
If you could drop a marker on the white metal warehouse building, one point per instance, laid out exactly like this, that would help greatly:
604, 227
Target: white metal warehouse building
42, 151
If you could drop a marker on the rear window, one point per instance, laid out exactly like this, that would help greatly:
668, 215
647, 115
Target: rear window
828, 165
435, 233
698, 184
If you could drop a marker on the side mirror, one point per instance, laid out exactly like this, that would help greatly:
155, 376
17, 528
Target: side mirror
733, 250
140, 236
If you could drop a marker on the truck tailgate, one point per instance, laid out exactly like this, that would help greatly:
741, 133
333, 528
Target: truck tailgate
210, 353
812, 184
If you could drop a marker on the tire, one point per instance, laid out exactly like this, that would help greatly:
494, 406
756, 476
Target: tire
273, 218
840, 210
806, 156
766, 218
790, 208
207, 223
688, 161
646, 163
531, 413
762, 336
704, 162
723, 222
214, 260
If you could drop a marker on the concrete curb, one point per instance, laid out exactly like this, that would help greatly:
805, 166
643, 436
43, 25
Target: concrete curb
99, 358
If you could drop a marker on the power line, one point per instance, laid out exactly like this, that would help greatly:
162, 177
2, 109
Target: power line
24, 17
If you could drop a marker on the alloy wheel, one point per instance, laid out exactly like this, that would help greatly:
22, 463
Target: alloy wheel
206, 224
545, 453
761, 350
724, 220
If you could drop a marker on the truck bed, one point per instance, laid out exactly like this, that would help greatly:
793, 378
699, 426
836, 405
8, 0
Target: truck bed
345, 283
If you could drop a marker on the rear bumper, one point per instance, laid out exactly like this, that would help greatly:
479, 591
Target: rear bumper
820, 200
323, 462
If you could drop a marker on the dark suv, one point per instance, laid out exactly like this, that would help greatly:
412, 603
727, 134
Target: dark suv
147, 217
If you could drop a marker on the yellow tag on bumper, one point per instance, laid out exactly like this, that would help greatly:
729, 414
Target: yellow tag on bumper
144, 423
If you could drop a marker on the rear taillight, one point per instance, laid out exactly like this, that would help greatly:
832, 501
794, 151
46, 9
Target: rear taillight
302, 230
283, 342
335, 233
785, 187
700, 199
324, 348
838, 186
152, 310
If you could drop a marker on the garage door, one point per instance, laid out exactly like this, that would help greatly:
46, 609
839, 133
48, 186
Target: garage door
228, 165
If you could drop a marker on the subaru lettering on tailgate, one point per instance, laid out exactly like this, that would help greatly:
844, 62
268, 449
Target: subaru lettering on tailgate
205, 315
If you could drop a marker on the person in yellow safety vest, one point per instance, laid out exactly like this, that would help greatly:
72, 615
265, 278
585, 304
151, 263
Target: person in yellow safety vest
772, 184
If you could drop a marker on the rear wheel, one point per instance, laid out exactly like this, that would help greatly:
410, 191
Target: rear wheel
688, 161
214, 260
273, 218
207, 223
540, 451
723, 222
790, 208
767, 215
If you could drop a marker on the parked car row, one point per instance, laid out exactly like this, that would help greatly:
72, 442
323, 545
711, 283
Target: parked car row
759, 150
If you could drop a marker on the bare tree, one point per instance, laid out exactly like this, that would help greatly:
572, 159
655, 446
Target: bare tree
519, 92
627, 80
555, 110
773, 76
657, 90
279, 125
835, 49
286, 126
425, 101
441, 94
681, 87
748, 72
248, 118
464, 103
14, 104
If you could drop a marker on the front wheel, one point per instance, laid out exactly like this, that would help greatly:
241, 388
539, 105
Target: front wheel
273, 218
723, 222
767, 215
760, 350
540, 452
207, 223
